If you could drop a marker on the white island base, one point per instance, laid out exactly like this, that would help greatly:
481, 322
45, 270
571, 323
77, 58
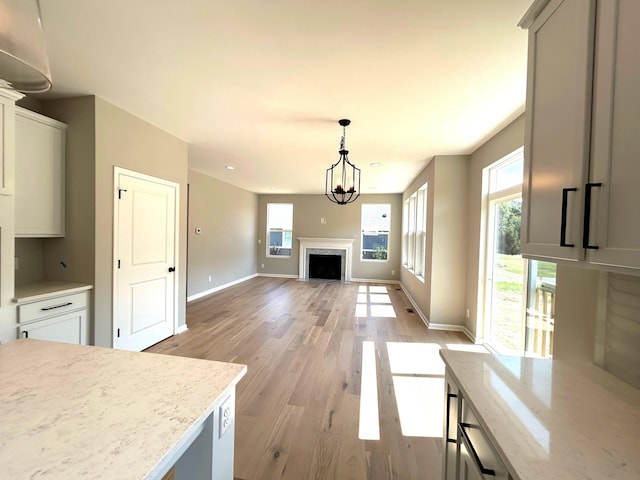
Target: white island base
72, 411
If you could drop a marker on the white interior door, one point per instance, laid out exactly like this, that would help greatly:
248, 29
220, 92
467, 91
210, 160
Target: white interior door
145, 245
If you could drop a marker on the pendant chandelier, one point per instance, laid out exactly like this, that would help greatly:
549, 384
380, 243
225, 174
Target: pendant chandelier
342, 184
24, 64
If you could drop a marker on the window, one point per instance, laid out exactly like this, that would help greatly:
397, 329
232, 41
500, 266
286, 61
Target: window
414, 230
519, 294
376, 223
279, 229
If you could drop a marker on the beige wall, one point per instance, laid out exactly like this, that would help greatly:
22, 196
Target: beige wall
226, 247
76, 248
440, 293
343, 221
576, 313
101, 136
126, 141
503, 143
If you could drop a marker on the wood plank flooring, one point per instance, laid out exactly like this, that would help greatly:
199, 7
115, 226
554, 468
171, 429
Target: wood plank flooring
298, 407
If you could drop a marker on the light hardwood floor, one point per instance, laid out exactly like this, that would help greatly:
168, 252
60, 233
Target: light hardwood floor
297, 412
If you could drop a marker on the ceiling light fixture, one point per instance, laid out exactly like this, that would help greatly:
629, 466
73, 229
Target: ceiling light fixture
230, 167
375, 164
23, 55
342, 183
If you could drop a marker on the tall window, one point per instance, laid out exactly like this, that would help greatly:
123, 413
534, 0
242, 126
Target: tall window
414, 230
376, 223
519, 294
279, 229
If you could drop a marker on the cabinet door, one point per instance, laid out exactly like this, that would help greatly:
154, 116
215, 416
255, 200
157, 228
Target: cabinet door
615, 160
450, 434
39, 171
558, 112
68, 328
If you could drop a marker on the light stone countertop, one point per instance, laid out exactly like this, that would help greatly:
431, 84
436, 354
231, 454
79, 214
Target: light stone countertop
81, 412
552, 419
41, 290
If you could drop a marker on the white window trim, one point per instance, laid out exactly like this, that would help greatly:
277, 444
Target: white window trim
268, 236
362, 233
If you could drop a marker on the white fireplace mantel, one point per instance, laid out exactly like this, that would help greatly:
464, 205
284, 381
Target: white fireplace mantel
345, 244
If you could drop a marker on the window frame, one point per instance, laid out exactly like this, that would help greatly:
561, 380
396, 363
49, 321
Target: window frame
364, 231
284, 232
414, 228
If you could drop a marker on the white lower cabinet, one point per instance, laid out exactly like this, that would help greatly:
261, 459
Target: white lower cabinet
60, 319
468, 453
450, 434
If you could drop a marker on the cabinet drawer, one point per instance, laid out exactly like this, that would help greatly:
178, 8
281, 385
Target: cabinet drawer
52, 306
480, 451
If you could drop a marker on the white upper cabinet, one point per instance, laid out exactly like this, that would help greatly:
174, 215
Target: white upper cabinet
8, 98
558, 112
39, 173
582, 146
615, 142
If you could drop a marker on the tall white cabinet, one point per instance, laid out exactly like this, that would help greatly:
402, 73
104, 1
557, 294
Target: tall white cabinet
39, 175
582, 148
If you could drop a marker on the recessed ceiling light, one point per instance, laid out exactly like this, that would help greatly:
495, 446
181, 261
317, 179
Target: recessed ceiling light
375, 164
230, 167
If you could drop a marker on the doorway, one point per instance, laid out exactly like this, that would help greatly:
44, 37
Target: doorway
518, 294
145, 252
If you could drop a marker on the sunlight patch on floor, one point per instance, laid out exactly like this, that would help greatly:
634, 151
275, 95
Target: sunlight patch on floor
369, 415
415, 358
374, 302
420, 405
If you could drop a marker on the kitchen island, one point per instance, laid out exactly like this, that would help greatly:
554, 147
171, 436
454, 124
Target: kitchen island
540, 419
81, 412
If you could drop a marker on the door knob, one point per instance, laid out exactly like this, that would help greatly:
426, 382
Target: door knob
172, 269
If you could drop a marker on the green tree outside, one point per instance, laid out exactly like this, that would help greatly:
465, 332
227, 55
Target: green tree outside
509, 220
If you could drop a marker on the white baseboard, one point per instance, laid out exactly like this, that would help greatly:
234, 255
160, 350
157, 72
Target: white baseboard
276, 275
181, 329
218, 288
438, 326
374, 280
422, 316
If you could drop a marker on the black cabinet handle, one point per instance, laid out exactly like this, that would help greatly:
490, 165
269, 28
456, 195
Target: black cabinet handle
449, 397
474, 454
57, 306
587, 215
172, 269
563, 220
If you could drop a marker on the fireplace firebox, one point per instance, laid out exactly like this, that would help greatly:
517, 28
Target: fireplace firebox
326, 267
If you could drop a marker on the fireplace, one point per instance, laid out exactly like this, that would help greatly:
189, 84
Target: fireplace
326, 267
339, 248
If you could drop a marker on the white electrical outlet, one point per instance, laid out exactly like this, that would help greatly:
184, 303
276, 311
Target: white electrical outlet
467, 313
226, 416
209, 278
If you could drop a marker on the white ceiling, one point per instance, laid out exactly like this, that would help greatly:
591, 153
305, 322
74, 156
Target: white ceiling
261, 84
